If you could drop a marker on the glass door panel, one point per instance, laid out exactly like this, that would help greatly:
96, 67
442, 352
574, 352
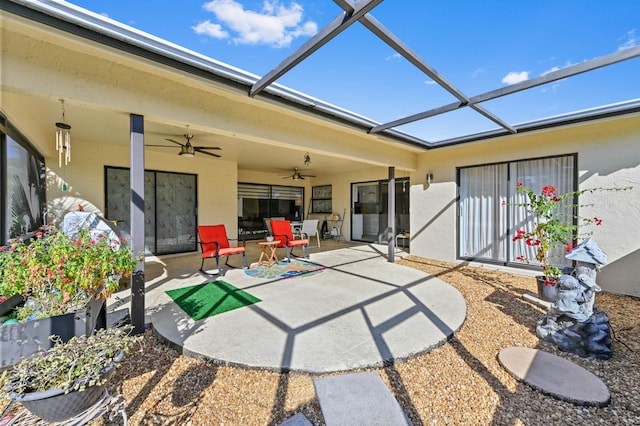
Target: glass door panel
170, 209
175, 213
365, 207
370, 210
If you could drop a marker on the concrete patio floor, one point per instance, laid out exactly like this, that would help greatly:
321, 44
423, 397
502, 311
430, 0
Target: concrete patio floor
360, 311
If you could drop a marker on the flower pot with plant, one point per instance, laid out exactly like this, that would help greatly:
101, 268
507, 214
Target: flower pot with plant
58, 276
553, 227
65, 380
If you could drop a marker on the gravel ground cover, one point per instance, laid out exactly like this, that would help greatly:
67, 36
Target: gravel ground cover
459, 383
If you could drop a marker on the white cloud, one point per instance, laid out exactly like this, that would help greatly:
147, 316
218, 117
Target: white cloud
477, 72
275, 24
394, 56
430, 82
515, 77
212, 30
630, 40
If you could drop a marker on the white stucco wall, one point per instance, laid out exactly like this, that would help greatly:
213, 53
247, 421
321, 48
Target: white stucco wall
608, 156
217, 186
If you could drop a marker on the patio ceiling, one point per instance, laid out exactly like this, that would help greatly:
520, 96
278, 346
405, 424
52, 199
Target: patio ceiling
111, 127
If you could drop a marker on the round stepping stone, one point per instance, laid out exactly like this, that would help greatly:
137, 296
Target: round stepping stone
555, 376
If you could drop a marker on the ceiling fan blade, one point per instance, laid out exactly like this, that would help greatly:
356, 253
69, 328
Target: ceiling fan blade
207, 147
304, 176
208, 153
176, 142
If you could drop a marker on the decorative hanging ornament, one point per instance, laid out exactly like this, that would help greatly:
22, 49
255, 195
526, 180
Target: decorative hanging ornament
307, 159
63, 139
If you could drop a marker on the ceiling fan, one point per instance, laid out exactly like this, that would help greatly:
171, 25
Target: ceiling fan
297, 175
188, 150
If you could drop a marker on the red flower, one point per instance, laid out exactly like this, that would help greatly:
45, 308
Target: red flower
531, 242
38, 234
548, 191
520, 184
597, 221
519, 234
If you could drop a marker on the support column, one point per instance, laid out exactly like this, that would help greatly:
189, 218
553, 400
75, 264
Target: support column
137, 220
391, 224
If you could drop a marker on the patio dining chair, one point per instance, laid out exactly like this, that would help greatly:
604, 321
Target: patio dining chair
310, 229
282, 231
214, 243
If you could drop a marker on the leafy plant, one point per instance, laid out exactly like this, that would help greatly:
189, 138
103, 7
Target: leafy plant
554, 225
71, 366
57, 273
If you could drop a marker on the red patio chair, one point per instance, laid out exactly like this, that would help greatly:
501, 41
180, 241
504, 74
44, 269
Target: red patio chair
282, 231
215, 244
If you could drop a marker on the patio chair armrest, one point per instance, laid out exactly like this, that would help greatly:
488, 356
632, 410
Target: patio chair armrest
243, 240
210, 242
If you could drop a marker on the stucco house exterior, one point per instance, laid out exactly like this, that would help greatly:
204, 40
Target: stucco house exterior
109, 75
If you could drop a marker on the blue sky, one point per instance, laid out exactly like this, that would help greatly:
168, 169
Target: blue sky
476, 46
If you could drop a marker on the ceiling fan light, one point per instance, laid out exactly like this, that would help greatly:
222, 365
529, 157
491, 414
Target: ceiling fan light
187, 152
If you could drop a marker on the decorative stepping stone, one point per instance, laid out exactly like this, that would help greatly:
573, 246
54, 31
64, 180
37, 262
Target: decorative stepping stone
298, 420
555, 376
358, 399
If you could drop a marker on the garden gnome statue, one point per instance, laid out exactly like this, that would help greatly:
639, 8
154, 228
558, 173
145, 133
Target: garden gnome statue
573, 322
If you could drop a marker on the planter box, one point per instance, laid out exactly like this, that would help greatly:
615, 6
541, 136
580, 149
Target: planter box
24, 339
10, 304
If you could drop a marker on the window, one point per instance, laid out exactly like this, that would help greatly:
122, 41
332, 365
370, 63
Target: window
487, 212
257, 202
321, 199
23, 190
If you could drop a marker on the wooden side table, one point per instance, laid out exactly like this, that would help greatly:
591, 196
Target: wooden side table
268, 255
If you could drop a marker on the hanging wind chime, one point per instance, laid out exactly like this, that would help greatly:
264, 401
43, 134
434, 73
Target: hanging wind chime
63, 139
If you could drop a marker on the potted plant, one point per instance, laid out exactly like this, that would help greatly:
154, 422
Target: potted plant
554, 226
65, 380
58, 276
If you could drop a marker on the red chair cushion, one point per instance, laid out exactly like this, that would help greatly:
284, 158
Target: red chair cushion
296, 243
211, 234
281, 230
231, 250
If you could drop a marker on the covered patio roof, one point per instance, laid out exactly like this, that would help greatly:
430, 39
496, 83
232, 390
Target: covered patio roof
87, 25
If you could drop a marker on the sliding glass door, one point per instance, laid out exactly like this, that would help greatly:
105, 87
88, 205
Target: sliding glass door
257, 202
370, 210
488, 210
170, 208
